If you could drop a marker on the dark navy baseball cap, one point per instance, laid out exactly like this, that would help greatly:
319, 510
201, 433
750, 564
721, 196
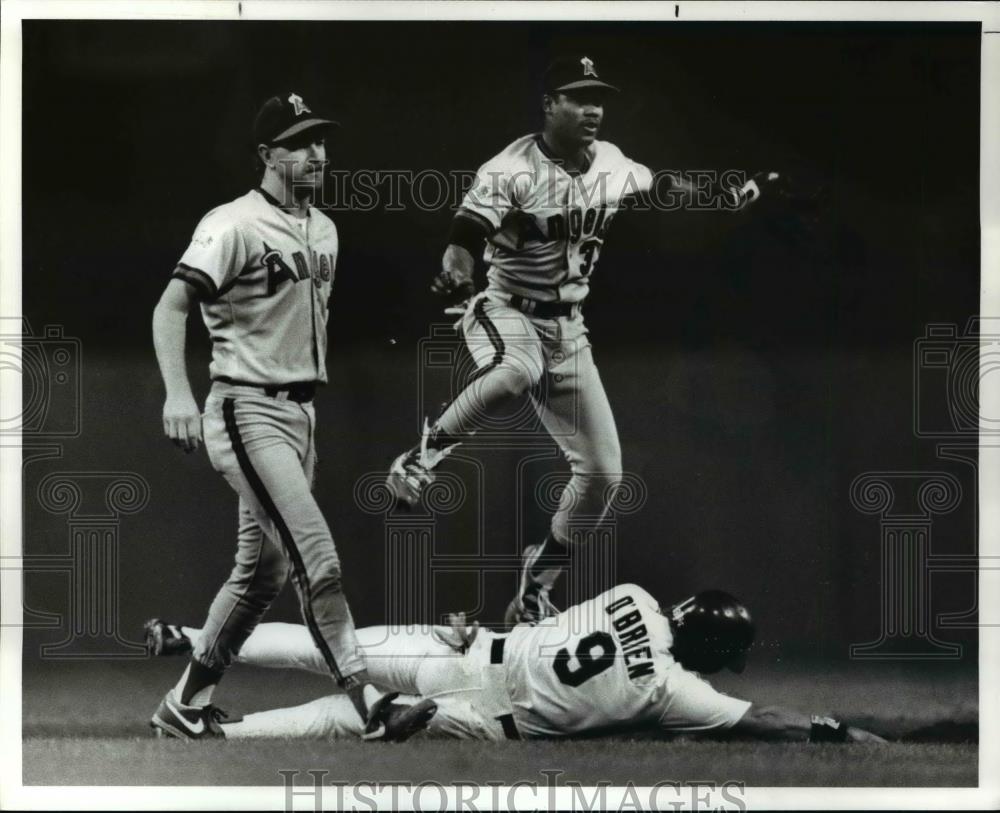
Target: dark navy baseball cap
574, 73
284, 116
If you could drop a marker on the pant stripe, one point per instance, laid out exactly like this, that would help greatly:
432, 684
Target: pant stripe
229, 414
499, 348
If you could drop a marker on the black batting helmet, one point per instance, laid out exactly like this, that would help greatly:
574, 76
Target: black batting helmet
712, 630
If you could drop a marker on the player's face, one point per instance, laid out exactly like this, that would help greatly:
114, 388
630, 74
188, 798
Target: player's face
300, 161
576, 115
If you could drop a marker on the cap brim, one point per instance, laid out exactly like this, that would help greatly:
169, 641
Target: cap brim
587, 83
302, 126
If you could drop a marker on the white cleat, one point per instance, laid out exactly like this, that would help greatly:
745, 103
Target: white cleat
413, 470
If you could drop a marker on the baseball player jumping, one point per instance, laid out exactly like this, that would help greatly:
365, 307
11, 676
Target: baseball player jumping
614, 664
261, 267
541, 208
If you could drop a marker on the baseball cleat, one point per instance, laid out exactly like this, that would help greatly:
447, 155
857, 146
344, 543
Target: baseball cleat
396, 722
165, 639
173, 719
532, 603
413, 470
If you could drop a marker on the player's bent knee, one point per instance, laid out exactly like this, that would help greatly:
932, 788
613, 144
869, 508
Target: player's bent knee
605, 465
608, 462
514, 380
521, 376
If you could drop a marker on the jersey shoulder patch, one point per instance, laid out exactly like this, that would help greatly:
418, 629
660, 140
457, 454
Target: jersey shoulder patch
503, 183
217, 251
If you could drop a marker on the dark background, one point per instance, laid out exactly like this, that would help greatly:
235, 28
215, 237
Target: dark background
756, 362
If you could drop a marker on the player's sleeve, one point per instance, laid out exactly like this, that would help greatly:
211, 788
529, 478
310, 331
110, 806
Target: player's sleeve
215, 256
690, 704
492, 196
639, 178
629, 177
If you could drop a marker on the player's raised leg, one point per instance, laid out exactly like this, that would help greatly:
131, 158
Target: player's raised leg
508, 356
576, 412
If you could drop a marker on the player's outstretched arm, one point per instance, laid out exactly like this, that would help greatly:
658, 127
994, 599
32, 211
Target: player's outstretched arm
736, 192
181, 418
778, 723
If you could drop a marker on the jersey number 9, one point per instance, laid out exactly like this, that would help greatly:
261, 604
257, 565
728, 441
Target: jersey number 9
590, 665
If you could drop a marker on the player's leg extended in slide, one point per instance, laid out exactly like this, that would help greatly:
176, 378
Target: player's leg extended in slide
417, 662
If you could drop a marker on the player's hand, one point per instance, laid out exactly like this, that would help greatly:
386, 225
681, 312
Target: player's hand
397, 722
449, 282
756, 186
460, 634
860, 735
182, 421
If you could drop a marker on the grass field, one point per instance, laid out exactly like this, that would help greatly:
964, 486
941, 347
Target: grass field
86, 724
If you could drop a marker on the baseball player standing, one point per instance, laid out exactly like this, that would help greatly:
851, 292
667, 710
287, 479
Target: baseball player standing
541, 208
261, 267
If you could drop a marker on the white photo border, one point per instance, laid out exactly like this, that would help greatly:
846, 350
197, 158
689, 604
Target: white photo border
14, 795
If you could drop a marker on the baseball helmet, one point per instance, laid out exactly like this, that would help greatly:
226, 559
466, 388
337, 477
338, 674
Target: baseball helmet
712, 631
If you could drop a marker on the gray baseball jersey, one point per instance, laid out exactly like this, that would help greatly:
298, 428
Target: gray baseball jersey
264, 281
548, 225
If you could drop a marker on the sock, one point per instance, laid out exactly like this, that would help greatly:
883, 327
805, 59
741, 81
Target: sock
551, 560
361, 692
437, 439
197, 684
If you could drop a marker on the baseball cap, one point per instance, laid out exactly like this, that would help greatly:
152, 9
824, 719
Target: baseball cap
284, 116
572, 73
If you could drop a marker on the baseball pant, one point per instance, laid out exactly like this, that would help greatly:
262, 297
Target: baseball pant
469, 691
551, 361
265, 448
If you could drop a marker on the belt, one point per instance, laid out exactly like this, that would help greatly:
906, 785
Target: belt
301, 392
506, 720
544, 310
